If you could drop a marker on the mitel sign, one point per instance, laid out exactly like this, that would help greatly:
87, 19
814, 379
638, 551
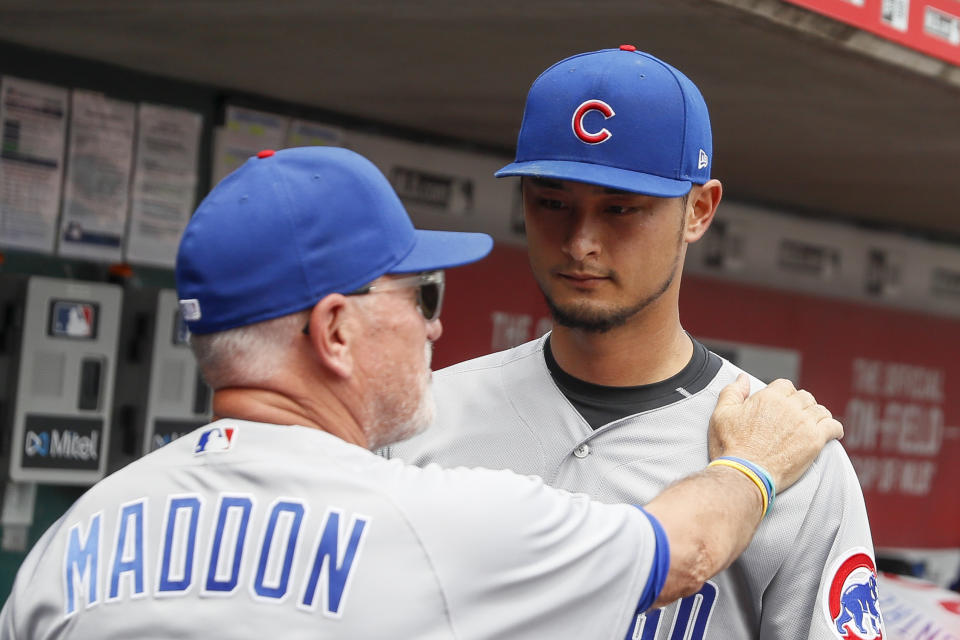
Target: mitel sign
54, 442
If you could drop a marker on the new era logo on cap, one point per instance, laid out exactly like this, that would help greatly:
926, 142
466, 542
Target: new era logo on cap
702, 161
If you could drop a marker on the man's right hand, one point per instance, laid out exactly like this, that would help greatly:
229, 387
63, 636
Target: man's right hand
779, 428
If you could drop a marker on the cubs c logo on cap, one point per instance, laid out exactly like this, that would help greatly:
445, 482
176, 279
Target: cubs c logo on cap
850, 597
581, 112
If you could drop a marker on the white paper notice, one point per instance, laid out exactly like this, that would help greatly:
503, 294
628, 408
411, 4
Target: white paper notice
97, 189
164, 183
33, 118
896, 13
244, 133
304, 133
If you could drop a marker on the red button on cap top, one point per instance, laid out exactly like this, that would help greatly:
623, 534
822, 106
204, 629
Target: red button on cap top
266, 153
627, 47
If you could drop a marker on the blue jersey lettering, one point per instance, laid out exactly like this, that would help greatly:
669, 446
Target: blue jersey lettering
646, 626
260, 587
690, 619
695, 610
129, 553
82, 563
334, 558
180, 540
332, 563
219, 581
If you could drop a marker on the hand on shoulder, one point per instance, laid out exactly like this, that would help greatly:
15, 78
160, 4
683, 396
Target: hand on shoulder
779, 428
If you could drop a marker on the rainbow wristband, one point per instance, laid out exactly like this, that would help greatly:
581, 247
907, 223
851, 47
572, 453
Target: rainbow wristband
757, 474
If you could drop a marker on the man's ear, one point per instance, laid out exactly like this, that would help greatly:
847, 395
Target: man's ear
332, 333
701, 206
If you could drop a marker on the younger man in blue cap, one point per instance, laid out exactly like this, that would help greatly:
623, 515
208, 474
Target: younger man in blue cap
615, 157
313, 302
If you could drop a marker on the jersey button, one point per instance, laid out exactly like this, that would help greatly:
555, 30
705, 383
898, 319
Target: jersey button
582, 451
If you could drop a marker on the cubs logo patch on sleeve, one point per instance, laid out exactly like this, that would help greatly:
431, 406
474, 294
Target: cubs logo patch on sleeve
850, 597
215, 439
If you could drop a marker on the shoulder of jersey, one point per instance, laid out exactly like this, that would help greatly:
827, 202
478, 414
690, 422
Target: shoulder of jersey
494, 360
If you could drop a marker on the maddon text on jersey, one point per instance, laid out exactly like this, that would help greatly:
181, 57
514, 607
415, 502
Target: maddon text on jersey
93, 573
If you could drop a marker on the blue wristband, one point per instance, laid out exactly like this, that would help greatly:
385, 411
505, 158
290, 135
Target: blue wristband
760, 471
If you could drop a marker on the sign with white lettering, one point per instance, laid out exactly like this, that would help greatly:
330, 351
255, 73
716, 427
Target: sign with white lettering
60, 442
894, 424
63, 401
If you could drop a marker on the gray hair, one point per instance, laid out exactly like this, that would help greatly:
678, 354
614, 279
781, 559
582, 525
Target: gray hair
247, 355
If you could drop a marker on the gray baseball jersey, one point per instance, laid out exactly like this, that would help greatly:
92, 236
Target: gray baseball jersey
249, 530
808, 572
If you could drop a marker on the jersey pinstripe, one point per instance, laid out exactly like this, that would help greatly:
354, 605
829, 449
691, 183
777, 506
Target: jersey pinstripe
249, 530
504, 411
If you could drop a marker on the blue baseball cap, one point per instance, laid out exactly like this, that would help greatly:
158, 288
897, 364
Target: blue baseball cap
290, 227
618, 118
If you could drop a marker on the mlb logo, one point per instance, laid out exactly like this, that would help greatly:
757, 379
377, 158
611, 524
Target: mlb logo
215, 440
73, 319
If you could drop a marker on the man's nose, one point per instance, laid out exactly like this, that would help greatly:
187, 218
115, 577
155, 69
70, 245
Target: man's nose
582, 237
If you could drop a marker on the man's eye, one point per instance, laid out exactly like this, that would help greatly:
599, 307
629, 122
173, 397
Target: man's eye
620, 209
547, 203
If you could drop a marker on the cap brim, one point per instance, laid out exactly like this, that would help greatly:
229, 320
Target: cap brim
598, 174
442, 250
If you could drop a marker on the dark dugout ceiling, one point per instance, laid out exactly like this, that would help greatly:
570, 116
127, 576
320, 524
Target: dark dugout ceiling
809, 115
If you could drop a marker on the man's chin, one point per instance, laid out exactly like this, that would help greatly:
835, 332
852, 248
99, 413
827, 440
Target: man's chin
584, 318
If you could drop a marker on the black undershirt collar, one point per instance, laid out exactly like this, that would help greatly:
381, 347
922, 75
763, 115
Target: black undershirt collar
601, 404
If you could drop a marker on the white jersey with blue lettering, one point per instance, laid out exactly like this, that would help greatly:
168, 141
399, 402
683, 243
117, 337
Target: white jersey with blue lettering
248, 530
808, 573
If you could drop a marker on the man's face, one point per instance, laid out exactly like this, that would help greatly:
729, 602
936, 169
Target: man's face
600, 255
395, 360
